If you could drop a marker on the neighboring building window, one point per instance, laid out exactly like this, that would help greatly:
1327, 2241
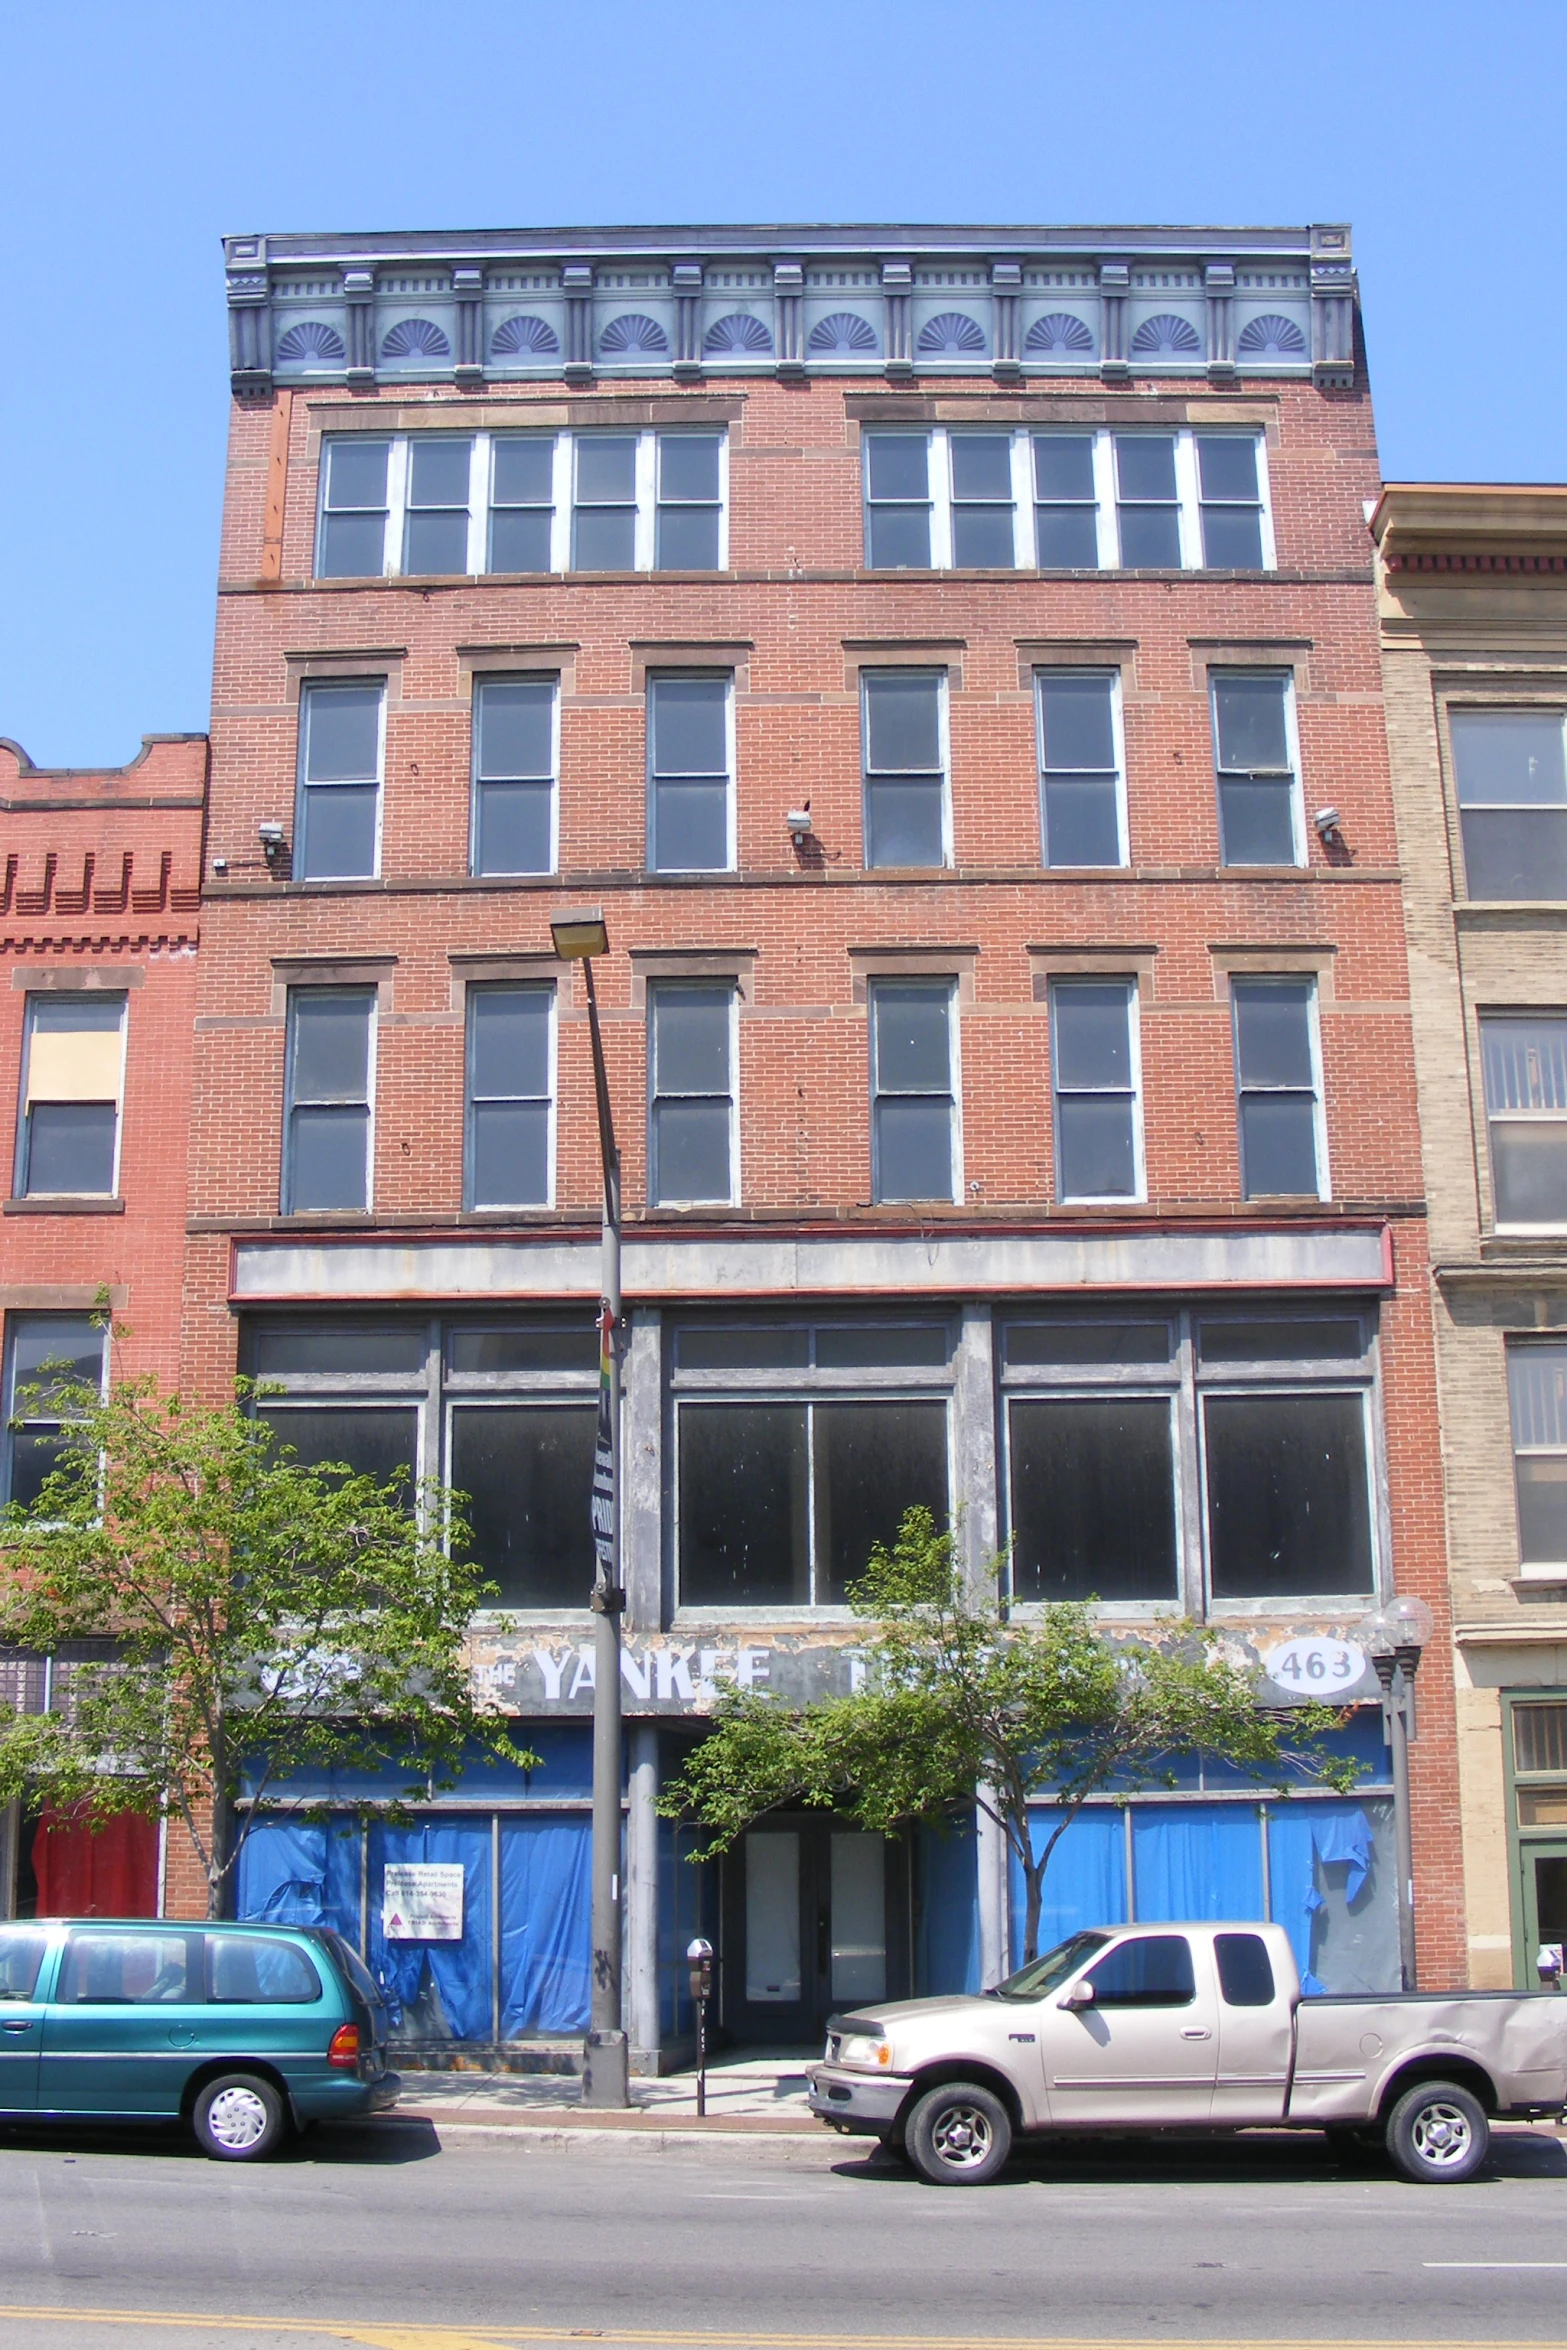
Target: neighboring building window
691, 1093
514, 762
795, 1460
426, 504
1081, 796
907, 815
44, 1353
913, 1090
690, 774
510, 1096
1094, 1058
1277, 1086
73, 1059
1259, 810
1537, 1391
1064, 501
1526, 1107
326, 1159
337, 823
1512, 797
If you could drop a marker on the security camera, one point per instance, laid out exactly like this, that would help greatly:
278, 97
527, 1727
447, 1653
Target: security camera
798, 821
1326, 821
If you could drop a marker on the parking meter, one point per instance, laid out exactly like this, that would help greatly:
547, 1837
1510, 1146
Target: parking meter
699, 1958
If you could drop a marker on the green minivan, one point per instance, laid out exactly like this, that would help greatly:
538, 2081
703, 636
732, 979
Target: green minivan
241, 2031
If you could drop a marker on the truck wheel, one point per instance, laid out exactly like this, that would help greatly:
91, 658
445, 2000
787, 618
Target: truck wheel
238, 2118
1437, 2134
958, 2135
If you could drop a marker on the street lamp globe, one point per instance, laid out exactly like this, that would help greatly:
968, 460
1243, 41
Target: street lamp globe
1411, 1621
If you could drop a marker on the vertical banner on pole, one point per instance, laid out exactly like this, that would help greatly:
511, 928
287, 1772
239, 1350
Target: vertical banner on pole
603, 1506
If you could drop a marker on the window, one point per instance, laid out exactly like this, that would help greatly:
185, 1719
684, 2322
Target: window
907, 818
1093, 1499
1537, 1392
1259, 815
690, 774
427, 504
913, 1090
1094, 1057
21, 1955
245, 1971
958, 495
129, 1970
1081, 794
366, 1441
45, 1353
691, 1112
528, 1473
514, 762
1245, 1970
510, 1034
1512, 797
1526, 1109
73, 1055
1277, 1087
337, 823
1155, 1972
1289, 1510
326, 1159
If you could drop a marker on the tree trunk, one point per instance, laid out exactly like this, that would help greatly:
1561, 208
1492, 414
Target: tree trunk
218, 1874
1033, 1901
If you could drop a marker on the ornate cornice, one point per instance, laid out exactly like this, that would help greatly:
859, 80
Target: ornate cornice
1508, 530
691, 303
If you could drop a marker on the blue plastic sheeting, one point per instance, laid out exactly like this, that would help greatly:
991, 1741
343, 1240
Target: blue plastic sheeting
1085, 1883
946, 1943
1194, 1860
299, 1873
1359, 1740
1343, 1941
681, 1886
444, 1989
565, 1769
546, 1925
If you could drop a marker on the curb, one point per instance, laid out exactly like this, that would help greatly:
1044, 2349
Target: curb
560, 2129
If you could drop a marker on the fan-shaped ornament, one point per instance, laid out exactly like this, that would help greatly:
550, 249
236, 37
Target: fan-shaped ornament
1059, 335
633, 336
953, 335
1165, 337
846, 333
311, 344
739, 335
1271, 337
416, 338
524, 337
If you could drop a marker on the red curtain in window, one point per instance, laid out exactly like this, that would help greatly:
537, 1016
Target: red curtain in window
108, 1873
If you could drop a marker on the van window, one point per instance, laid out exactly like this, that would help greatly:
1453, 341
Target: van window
1245, 1970
1156, 1972
245, 1971
125, 1970
21, 1955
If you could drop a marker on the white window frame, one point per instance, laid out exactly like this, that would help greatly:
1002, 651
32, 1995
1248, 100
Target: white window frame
932, 980
481, 679
14, 1322
1042, 676
1291, 743
1501, 1019
480, 482
1132, 982
308, 688
732, 791
1531, 1570
1309, 981
657, 990
286, 1171
21, 1180
478, 987
944, 745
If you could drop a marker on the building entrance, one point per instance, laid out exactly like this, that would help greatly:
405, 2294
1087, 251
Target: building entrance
815, 1922
1544, 1899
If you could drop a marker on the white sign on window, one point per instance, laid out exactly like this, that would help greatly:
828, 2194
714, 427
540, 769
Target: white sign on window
421, 1901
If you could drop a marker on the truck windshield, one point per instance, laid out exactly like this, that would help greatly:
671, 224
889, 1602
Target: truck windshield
1032, 1982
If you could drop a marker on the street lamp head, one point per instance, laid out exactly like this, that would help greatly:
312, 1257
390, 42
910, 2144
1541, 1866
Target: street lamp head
1405, 1623
579, 935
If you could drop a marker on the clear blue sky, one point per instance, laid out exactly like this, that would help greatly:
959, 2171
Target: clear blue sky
135, 136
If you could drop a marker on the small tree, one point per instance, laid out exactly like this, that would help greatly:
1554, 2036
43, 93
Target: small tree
962, 1706
259, 1620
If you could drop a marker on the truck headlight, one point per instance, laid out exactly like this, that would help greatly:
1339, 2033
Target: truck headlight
866, 2053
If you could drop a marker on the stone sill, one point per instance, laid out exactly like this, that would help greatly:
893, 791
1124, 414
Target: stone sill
63, 1204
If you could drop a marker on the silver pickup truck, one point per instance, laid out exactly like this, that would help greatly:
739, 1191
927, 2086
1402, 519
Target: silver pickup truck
1159, 2027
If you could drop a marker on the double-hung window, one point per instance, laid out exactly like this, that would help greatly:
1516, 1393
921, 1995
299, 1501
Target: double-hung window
515, 750
897, 501
337, 821
1511, 773
914, 1094
1066, 502
355, 506
1537, 1393
522, 502
1259, 796
688, 521
1082, 801
1148, 501
1097, 1110
691, 1093
908, 818
604, 502
435, 526
326, 1147
1230, 497
45, 1354
1278, 1087
690, 754
73, 1059
510, 1096
984, 500
1525, 1062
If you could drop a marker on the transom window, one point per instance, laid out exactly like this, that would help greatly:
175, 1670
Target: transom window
1510, 767
1082, 791
428, 505
1010, 499
1525, 1061
1260, 820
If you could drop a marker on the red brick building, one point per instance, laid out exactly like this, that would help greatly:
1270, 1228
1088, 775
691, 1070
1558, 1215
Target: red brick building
100, 899
950, 658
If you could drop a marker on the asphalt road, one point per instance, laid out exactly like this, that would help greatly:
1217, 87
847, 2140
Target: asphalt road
404, 2238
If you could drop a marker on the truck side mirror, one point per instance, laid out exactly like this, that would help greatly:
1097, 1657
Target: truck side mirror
1080, 1995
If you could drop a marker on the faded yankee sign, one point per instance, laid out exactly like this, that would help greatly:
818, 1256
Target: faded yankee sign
421, 1901
661, 1675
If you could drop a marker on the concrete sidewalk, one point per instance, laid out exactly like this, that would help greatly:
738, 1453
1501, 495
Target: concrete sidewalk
747, 2092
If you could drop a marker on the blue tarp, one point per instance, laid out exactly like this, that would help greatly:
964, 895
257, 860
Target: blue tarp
546, 1925
1196, 1861
445, 1989
300, 1873
680, 1915
1085, 1883
946, 1952
1341, 1921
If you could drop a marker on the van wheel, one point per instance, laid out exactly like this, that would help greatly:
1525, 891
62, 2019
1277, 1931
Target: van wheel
1437, 2134
959, 2135
238, 2118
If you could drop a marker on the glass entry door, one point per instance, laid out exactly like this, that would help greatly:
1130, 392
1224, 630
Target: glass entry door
1544, 1901
812, 1917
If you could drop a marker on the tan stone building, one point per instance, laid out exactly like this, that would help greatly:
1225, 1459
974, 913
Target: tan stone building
1473, 600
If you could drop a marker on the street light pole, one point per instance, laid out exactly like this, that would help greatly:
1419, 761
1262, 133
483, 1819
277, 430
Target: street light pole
1395, 1636
606, 2067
